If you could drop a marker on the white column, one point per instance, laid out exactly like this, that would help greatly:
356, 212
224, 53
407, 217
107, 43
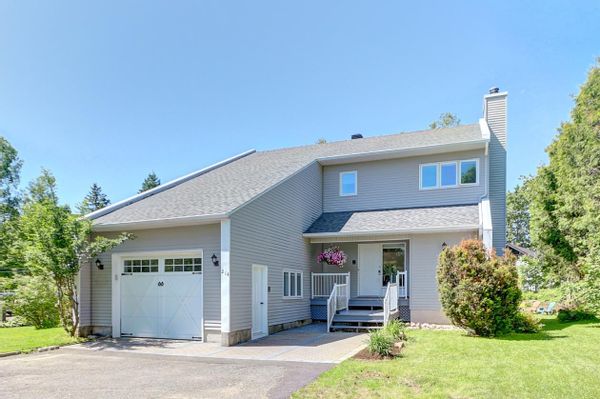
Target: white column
225, 275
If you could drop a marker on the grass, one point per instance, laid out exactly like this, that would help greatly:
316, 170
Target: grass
561, 361
26, 339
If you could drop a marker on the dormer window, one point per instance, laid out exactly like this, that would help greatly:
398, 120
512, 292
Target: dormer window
348, 183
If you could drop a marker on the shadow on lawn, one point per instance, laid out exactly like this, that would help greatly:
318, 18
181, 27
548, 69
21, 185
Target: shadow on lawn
550, 324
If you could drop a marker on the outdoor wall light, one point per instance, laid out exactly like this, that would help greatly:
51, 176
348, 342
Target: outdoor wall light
444, 245
99, 264
215, 260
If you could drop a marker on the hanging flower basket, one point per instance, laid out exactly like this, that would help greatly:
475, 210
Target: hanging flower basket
333, 256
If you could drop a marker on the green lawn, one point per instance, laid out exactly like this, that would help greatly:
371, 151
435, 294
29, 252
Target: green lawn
562, 361
28, 338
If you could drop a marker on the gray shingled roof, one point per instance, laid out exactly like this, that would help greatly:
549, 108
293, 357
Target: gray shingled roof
410, 219
228, 187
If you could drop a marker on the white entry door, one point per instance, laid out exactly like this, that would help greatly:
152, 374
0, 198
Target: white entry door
260, 325
369, 269
161, 297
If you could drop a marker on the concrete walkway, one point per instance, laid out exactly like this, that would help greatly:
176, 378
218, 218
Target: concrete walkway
309, 344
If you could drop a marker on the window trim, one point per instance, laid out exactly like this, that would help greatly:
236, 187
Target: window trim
348, 172
296, 272
476, 160
438, 166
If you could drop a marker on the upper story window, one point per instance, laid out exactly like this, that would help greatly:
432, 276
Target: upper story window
449, 174
348, 183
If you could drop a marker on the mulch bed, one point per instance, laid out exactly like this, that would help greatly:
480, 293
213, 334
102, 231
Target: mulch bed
365, 354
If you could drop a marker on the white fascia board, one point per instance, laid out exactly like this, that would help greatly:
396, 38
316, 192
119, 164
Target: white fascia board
160, 223
425, 230
485, 223
403, 152
485, 129
163, 187
500, 94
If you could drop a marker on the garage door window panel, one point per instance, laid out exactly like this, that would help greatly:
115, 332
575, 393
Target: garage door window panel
140, 266
174, 265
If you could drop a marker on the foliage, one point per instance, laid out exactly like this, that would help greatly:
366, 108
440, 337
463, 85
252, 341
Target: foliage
381, 343
479, 291
570, 315
150, 182
531, 273
560, 361
526, 323
333, 256
55, 243
565, 201
26, 339
395, 328
544, 295
35, 301
10, 168
15, 321
517, 213
94, 200
446, 119
321, 141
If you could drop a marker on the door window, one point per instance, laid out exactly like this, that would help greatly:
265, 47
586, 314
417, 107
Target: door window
394, 257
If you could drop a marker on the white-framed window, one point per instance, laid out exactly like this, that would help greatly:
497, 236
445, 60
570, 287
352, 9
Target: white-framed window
292, 284
469, 172
140, 266
183, 265
348, 183
449, 174
428, 176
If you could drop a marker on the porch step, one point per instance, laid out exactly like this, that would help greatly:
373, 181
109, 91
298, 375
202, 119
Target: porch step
359, 316
354, 327
366, 302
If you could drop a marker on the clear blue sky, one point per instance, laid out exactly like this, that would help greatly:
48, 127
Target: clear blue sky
108, 92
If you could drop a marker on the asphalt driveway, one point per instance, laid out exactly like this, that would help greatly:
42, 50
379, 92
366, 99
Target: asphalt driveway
69, 373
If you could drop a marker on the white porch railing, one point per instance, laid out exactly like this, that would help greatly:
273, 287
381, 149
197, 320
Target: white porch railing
402, 280
338, 300
322, 283
390, 301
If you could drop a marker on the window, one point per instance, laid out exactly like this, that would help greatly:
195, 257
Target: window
445, 174
140, 266
292, 284
448, 174
429, 176
394, 261
183, 265
469, 172
348, 185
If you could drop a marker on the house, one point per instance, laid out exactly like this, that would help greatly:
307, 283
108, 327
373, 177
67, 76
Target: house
229, 252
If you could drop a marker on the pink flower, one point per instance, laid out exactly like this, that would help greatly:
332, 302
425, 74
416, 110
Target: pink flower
333, 256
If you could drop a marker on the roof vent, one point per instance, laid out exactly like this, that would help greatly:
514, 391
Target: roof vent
494, 90
356, 136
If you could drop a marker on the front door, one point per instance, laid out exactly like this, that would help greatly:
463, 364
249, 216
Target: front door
260, 327
369, 269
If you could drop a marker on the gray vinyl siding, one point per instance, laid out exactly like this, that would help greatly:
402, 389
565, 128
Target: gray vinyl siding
205, 237
497, 121
83, 288
394, 183
268, 231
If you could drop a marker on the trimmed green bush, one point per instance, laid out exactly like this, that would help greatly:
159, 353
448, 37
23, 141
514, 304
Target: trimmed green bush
381, 343
569, 315
527, 323
479, 291
35, 301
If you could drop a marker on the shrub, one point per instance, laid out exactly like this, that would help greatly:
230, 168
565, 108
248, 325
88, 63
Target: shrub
479, 291
381, 343
15, 321
395, 328
527, 323
35, 301
569, 315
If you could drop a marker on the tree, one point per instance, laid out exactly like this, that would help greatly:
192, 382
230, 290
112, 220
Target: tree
34, 299
150, 182
55, 243
94, 200
10, 169
565, 208
446, 119
321, 141
517, 214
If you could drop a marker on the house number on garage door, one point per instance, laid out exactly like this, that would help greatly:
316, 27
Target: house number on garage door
161, 283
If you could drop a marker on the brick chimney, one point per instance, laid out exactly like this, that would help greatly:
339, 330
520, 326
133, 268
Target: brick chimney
494, 113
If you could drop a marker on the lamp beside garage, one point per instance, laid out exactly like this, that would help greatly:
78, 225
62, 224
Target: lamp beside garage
99, 264
214, 259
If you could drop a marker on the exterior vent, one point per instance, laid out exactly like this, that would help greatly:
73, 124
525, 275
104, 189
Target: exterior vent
356, 136
494, 90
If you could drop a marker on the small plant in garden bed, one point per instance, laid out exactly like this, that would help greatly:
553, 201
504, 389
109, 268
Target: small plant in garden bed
385, 343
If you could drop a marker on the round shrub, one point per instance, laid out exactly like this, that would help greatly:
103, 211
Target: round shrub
35, 301
479, 291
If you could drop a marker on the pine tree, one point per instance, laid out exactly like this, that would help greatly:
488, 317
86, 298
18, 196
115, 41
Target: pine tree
150, 182
94, 200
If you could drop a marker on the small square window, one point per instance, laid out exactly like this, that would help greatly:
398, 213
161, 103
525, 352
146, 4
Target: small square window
154, 262
448, 175
429, 176
168, 268
154, 269
468, 172
168, 261
348, 183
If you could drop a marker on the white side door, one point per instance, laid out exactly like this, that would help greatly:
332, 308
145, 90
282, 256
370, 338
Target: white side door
369, 269
260, 324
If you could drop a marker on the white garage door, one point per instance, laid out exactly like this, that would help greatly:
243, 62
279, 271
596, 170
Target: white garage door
161, 297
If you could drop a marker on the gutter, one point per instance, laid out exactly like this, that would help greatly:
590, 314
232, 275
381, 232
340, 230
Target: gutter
425, 230
160, 223
163, 187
